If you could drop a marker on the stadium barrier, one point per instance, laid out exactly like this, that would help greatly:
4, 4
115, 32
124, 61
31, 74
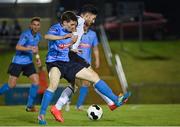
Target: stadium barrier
19, 95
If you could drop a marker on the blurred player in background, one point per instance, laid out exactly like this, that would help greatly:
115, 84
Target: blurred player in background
22, 62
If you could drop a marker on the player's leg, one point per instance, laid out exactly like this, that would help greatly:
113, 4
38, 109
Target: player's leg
32, 93
54, 76
99, 84
30, 72
14, 71
83, 91
63, 99
108, 101
7, 86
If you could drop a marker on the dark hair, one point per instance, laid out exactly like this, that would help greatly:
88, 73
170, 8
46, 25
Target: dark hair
89, 8
68, 16
36, 19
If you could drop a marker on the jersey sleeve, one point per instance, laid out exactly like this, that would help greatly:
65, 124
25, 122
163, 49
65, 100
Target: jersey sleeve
95, 40
23, 39
53, 31
80, 32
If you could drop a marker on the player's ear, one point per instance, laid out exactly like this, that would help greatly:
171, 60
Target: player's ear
65, 23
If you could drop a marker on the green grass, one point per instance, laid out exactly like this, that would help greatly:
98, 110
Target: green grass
128, 115
149, 62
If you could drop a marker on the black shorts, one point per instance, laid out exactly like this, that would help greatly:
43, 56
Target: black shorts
68, 69
16, 69
76, 58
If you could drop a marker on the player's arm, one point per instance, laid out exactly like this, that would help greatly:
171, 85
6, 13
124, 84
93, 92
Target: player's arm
34, 49
55, 37
79, 32
96, 55
21, 44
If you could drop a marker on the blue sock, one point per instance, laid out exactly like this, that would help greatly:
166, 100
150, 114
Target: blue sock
102, 87
5, 87
48, 95
32, 95
82, 95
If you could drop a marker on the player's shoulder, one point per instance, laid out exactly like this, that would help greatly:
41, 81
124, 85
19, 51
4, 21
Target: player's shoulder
80, 20
92, 32
27, 31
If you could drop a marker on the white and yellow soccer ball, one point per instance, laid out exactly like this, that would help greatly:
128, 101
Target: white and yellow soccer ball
94, 112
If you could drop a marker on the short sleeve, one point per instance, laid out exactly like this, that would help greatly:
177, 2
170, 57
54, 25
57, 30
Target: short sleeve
53, 31
23, 39
95, 40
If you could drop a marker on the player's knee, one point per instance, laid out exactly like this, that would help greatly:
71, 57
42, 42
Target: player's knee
35, 79
52, 87
95, 77
12, 84
85, 83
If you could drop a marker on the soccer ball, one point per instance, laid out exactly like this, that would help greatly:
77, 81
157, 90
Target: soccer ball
94, 112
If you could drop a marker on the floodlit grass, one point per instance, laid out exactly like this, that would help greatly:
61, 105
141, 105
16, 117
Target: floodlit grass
128, 115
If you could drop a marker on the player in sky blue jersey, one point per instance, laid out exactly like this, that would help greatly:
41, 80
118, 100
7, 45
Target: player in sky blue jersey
87, 17
89, 42
22, 62
60, 66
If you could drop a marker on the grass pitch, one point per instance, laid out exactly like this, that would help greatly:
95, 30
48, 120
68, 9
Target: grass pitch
127, 115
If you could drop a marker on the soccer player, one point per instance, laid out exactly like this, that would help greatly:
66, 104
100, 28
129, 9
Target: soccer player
87, 17
59, 64
26, 47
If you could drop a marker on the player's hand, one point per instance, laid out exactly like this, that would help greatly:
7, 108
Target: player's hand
34, 49
38, 62
68, 35
76, 50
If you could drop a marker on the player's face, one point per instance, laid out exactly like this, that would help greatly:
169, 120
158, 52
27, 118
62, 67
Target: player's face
89, 18
35, 26
70, 26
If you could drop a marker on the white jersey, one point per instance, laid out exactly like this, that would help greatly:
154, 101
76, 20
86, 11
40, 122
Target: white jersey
80, 32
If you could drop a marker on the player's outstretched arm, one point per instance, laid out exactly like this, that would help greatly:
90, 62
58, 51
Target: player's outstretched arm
34, 49
55, 37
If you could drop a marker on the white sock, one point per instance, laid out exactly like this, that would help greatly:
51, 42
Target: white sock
64, 98
106, 99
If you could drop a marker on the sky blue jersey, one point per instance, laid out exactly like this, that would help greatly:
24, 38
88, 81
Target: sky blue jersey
26, 39
88, 41
58, 49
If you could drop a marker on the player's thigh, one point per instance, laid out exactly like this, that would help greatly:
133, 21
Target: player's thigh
34, 78
88, 75
54, 76
29, 70
14, 70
